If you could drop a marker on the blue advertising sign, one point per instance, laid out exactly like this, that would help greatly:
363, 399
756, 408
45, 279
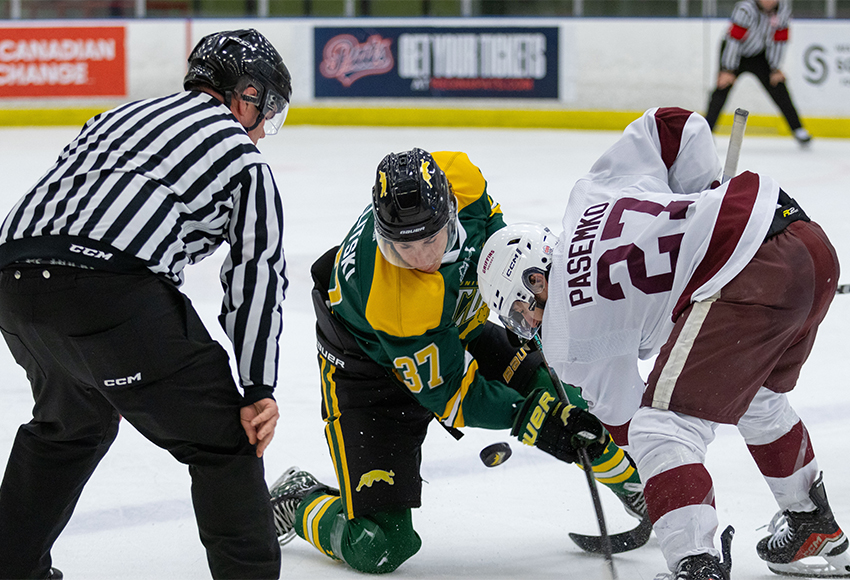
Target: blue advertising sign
435, 62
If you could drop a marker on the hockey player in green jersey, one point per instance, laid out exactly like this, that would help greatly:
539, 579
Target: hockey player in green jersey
403, 337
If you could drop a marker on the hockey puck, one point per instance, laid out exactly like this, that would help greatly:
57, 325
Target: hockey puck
495, 454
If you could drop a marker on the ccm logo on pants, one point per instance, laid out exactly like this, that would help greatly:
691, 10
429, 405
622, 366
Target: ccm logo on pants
121, 382
90, 252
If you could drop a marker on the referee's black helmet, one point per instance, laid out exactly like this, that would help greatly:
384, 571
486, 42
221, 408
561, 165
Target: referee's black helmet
225, 60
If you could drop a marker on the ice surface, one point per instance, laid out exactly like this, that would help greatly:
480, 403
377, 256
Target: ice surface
135, 517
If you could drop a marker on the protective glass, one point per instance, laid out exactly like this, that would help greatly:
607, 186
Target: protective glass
522, 319
524, 316
421, 254
274, 111
273, 108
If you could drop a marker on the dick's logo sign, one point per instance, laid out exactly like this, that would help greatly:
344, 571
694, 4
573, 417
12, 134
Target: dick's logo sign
437, 62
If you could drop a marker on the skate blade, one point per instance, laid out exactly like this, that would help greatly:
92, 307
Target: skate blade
834, 567
287, 537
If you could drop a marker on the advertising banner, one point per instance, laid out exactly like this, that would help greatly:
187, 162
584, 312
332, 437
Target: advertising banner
437, 62
62, 62
824, 53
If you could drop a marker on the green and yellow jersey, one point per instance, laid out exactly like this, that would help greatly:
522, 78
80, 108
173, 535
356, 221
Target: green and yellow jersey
419, 324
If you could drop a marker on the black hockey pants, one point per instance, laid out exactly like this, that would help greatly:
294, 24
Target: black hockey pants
779, 93
97, 346
377, 420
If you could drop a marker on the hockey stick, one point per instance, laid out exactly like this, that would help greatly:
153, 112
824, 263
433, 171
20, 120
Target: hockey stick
588, 470
739, 124
733, 153
622, 542
498, 453
607, 551
604, 543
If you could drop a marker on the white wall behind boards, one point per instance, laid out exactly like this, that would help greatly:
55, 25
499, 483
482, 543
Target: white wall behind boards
603, 64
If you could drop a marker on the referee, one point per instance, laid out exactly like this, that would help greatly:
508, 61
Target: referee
90, 263
755, 43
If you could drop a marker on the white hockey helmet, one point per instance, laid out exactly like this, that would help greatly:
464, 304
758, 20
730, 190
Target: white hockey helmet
508, 260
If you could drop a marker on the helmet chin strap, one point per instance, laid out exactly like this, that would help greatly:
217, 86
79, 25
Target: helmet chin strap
256, 124
228, 98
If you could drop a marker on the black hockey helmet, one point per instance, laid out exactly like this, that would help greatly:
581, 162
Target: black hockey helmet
412, 201
227, 60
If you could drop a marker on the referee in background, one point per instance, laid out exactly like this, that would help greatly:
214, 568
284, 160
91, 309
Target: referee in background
755, 43
90, 263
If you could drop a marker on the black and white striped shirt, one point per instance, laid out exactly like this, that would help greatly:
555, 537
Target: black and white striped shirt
166, 181
753, 31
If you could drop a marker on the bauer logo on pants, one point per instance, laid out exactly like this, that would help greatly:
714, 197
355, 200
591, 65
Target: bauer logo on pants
370, 477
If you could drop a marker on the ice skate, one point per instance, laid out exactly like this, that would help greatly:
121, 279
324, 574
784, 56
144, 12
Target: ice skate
286, 495
802, 136
796, 536
705, 566
701, 567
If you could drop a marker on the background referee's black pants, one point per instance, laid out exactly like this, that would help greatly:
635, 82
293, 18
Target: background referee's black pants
779, 93
96, 345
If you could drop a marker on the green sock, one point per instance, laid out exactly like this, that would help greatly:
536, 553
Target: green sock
376, 543
615, 470
314, 519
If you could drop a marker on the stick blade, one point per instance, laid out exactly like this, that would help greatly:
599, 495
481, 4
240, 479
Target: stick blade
622, 542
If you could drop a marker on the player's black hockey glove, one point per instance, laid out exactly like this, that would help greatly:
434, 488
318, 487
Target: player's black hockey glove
559, 429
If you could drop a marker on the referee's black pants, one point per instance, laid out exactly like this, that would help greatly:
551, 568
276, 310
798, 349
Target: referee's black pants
779, 92
97, 346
